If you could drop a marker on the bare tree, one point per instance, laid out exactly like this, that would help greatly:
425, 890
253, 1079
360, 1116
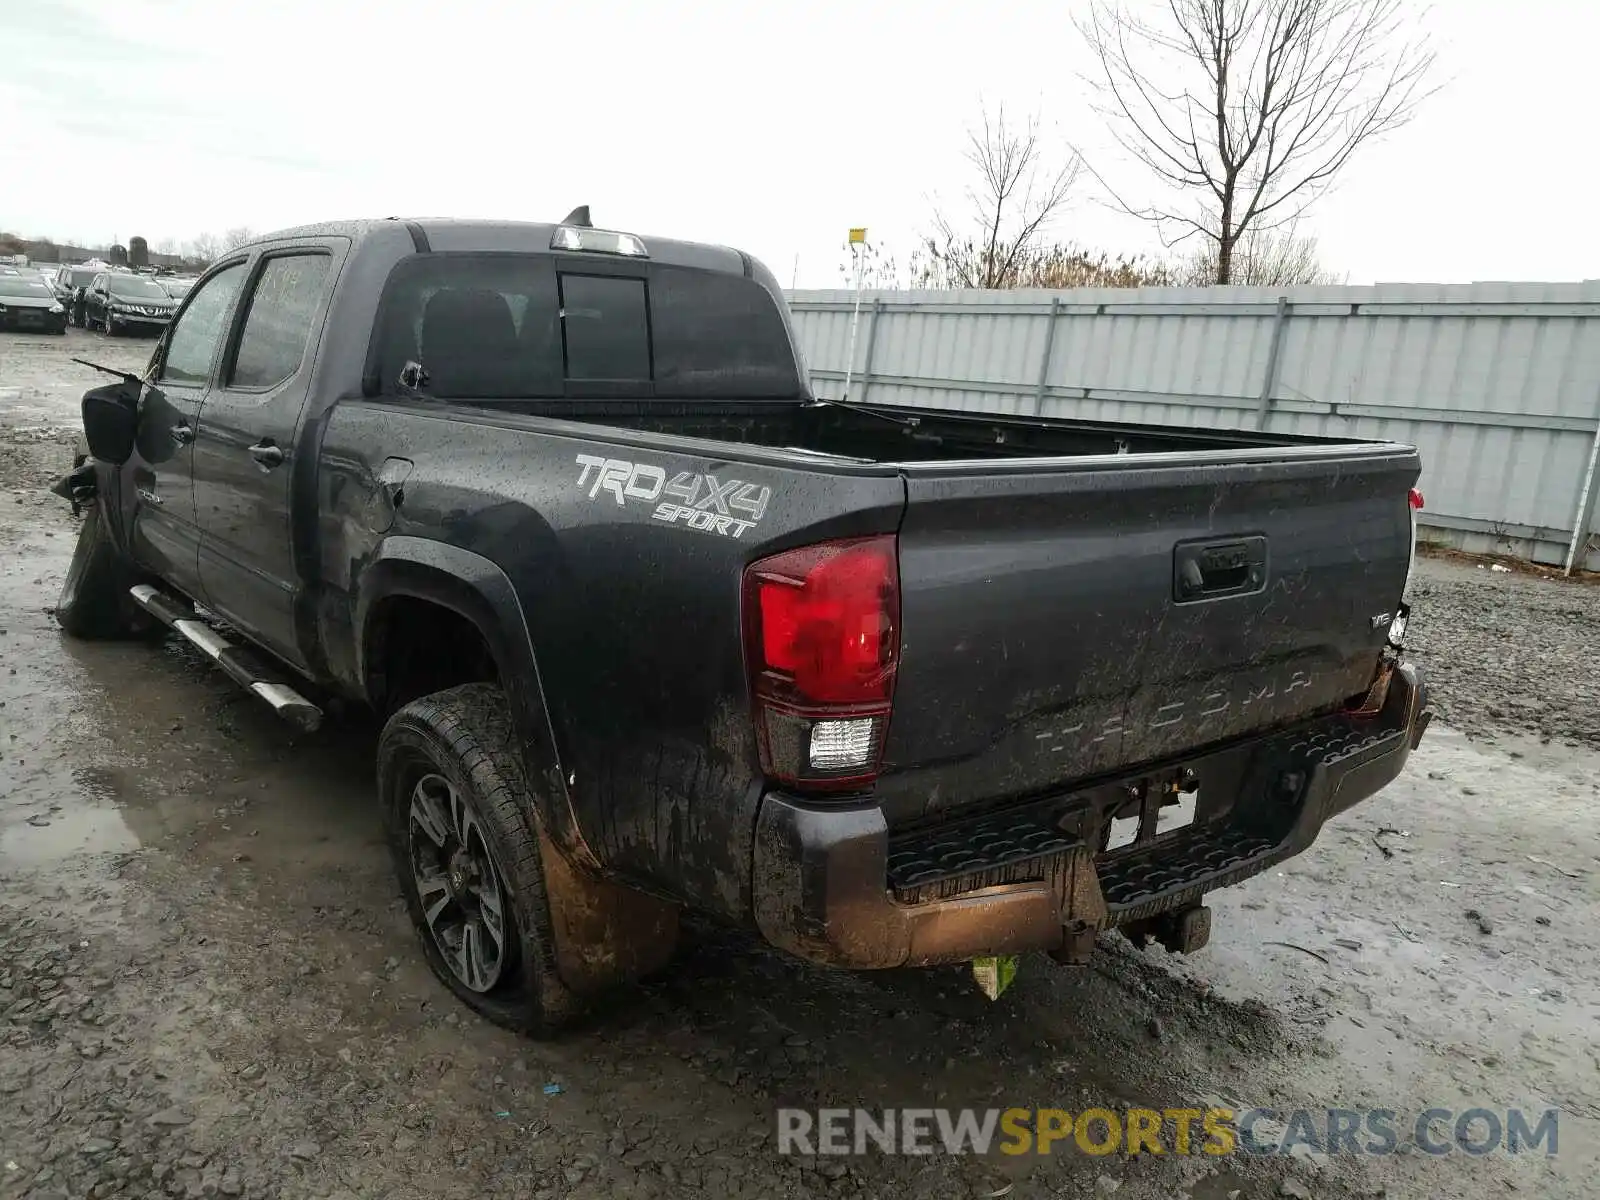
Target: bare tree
1246, 110
236, 237
203, 248
1010, 207
167, 246
1262, 257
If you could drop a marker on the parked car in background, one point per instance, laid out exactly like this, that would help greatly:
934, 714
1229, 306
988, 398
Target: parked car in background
123, 303
177, 286
70, 285
28, 305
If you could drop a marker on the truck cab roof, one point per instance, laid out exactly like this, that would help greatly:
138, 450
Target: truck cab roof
528, 237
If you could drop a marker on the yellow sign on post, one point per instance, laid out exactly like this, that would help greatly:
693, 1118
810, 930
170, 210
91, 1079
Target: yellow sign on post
858, 236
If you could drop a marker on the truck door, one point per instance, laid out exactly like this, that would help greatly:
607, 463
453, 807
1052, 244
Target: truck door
166, 536
244, 460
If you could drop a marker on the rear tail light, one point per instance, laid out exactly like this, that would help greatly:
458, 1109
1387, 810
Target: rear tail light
822, 639
1415, 499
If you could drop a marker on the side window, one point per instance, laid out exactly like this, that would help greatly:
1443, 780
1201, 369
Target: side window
193, 342
605, 328
278, 323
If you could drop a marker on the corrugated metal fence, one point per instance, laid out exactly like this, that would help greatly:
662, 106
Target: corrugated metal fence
1497, 384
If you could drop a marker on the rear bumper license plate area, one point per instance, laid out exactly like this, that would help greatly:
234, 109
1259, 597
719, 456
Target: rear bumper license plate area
838, 887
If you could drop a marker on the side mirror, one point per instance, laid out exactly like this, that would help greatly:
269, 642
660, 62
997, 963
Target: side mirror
110, 416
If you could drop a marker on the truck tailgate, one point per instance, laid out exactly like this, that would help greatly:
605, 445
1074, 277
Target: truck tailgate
1065, 620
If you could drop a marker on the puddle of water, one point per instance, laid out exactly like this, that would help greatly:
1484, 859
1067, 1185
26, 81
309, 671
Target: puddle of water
79, 829
52, 813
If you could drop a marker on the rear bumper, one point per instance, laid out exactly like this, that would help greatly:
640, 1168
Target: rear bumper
833, 886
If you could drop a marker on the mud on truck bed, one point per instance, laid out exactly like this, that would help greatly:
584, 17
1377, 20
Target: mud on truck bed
653, 629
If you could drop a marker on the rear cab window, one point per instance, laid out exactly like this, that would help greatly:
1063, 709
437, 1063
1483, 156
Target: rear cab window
504, 326
605, 328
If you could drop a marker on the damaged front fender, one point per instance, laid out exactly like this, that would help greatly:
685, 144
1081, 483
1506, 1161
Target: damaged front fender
79, 485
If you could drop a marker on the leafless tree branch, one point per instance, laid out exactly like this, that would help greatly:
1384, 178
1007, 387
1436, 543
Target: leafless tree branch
203, 248
1276, 97
1262, 257
1017, 195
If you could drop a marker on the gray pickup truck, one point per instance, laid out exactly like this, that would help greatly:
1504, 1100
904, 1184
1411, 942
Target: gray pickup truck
652, 629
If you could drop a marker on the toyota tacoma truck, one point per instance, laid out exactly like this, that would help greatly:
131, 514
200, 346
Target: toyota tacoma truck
653, 630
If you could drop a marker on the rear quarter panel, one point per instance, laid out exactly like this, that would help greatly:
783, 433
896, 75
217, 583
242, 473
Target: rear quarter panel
635, 620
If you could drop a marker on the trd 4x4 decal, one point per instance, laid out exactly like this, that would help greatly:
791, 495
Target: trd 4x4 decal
723, 506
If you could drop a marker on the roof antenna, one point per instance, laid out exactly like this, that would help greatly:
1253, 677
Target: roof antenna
579, 217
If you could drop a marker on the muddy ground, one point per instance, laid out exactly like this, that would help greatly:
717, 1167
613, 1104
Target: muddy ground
208, 985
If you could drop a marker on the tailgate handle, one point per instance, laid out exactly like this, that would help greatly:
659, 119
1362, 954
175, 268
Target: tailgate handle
1210, 570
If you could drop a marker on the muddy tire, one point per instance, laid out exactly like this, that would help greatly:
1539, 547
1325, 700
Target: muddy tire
94, 599
459, 819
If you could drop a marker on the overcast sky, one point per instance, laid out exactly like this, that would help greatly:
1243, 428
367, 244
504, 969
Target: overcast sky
773, 127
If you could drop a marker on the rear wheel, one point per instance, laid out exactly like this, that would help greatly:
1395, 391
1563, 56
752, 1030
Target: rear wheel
460, 824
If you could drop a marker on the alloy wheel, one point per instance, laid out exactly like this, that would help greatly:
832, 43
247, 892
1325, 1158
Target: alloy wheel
461, 890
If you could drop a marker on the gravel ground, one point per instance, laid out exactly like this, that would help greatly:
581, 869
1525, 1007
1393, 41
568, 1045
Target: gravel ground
1508, 650
208, 985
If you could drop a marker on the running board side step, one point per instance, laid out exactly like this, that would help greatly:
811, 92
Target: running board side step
243, 666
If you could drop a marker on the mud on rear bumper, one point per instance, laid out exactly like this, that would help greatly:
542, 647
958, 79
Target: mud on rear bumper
834, 885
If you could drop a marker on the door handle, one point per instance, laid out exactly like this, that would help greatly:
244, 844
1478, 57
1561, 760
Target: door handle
183, 434
1211, 570
265, 453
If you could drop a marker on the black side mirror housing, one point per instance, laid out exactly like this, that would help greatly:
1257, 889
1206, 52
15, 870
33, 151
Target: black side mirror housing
110, 417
